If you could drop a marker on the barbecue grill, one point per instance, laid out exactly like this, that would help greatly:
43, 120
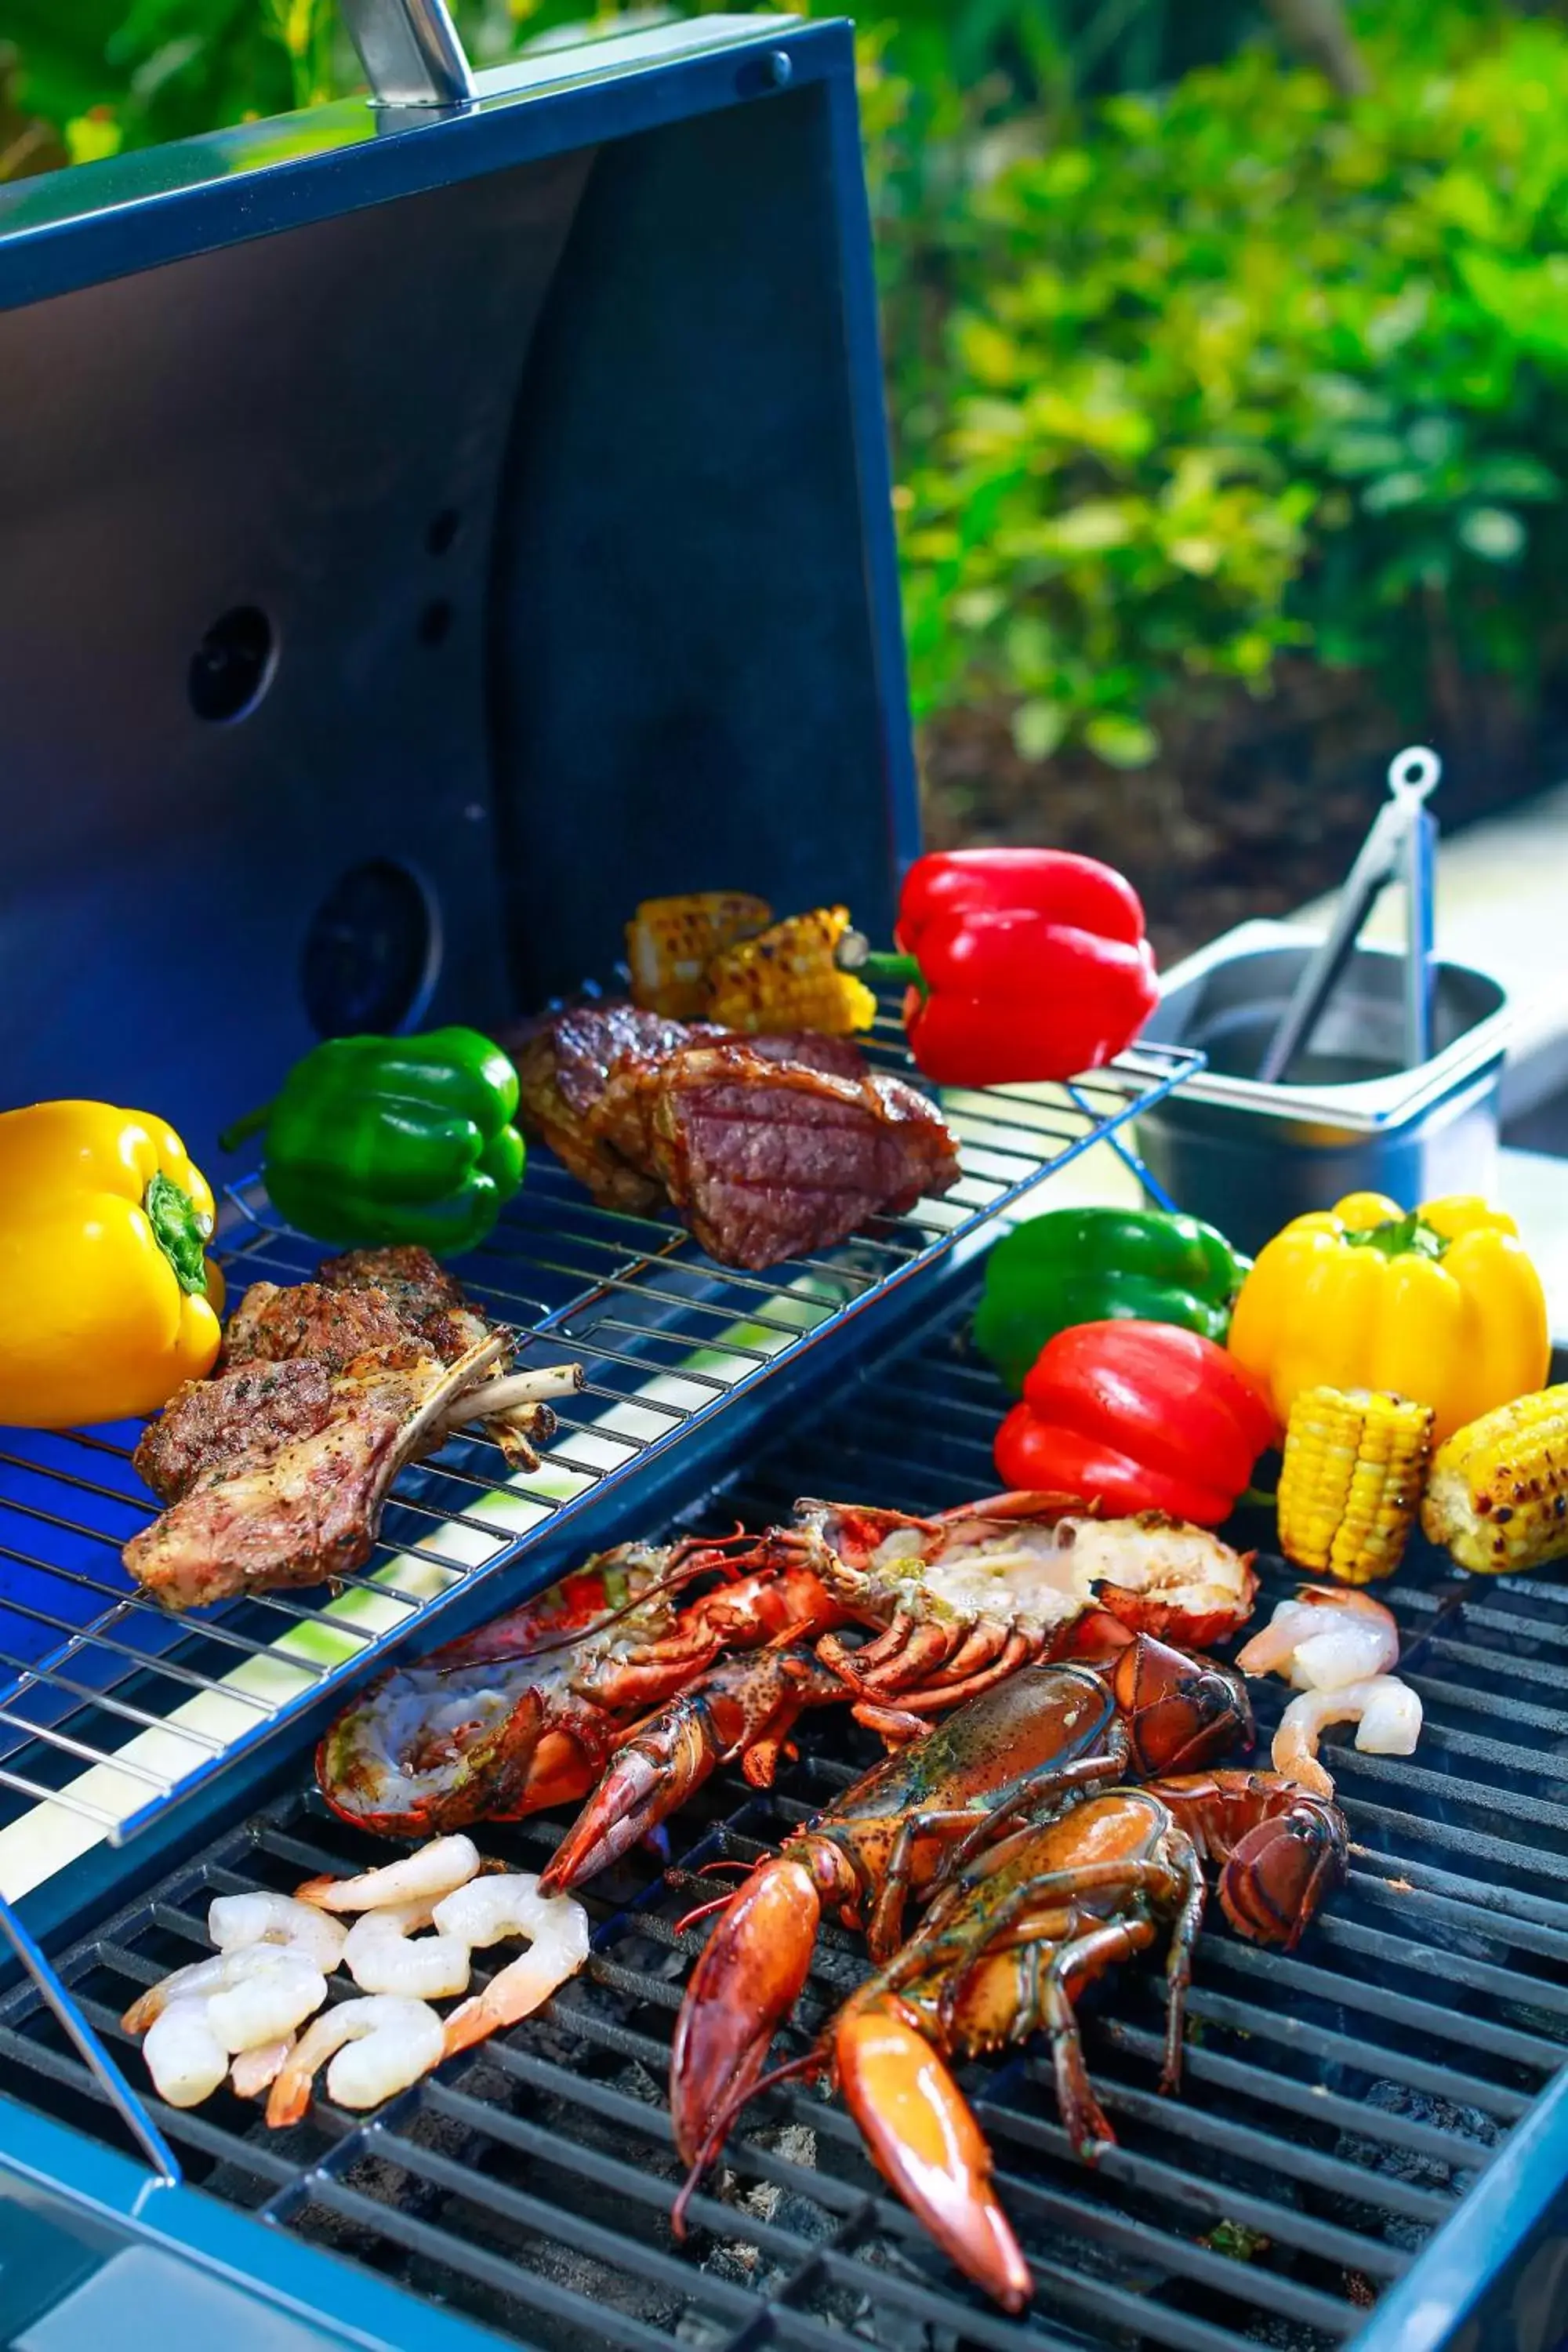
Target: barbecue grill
429, 528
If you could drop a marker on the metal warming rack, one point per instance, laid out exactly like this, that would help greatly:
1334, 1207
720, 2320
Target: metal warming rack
117, 1708
1338, 2104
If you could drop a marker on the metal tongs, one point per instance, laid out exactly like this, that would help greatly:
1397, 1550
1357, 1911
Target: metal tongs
1403, 841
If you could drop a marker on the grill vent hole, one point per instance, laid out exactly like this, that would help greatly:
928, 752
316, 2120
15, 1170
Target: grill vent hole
443, 530
371, 952
232, 667
435, 621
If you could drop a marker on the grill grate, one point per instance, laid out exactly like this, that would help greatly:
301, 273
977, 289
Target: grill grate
1337, 2102
112, 1707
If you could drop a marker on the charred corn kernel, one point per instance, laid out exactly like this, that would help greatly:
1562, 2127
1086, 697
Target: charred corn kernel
670, 943
1355, 1461
1497, 1496
788, 978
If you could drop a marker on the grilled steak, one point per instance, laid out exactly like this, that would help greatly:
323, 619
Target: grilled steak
770, 1161
627, 1101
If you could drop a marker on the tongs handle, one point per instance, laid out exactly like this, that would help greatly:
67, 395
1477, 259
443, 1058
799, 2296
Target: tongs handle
411, 52
1412, 778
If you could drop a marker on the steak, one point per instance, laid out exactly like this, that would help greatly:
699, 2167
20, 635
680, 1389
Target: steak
627, 1101
768, 1160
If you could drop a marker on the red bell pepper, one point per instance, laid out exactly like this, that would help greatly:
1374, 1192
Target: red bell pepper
1138, 1417
1029, 965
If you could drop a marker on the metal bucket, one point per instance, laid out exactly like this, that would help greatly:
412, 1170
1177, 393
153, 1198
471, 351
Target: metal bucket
1248, 1157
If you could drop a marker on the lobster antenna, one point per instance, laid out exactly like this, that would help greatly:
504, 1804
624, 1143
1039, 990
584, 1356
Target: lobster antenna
671, 1581
793, 2067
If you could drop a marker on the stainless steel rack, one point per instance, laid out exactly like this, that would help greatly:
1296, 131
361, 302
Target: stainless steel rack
1337, 2102
115, 1709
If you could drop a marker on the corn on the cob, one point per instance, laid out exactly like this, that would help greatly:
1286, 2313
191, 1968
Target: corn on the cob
1355, 1461
1499, 1491
670, 943
787, 979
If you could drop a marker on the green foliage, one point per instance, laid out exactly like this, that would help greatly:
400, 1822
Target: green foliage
1245, 366
1190, 359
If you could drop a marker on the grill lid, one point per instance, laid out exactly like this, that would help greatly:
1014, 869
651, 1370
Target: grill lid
422, 537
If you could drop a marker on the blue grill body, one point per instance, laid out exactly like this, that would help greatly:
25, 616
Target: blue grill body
417, 543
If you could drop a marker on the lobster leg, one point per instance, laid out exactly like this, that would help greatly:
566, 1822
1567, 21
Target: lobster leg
1179, 1966
1035, 1798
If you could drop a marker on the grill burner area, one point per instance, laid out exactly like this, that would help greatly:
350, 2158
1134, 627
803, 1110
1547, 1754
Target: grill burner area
1337, 2103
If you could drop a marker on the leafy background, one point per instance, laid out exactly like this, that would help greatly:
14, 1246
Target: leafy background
1226, 358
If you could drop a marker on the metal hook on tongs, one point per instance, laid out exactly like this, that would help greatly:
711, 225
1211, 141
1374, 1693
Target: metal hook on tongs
1403, 841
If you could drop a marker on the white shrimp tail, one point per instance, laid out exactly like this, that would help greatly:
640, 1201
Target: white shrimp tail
1319, 1612
436, 1870
255, 2071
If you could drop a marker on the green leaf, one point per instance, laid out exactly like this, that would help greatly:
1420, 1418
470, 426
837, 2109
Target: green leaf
1393, 491
1121, 740
1351, 455
1493, 533
1038, 728
1089, 528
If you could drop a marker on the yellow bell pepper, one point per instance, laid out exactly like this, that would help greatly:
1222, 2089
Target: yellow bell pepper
107, 1300
1441, 1303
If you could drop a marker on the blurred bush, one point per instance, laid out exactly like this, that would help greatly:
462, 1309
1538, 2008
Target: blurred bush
1195, 360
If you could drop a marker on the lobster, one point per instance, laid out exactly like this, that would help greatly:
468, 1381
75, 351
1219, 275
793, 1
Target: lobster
1059, 1877
1036, 1740
955, 1605
526, 1712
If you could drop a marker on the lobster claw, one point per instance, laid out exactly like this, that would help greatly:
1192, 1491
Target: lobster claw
928, 2147
747, 1979
1278, 1875
746, 1706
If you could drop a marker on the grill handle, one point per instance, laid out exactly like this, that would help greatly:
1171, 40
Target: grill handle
411, 53
131, 2110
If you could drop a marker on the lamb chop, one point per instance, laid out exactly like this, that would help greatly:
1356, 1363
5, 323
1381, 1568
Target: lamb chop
641, 1110
377, 1300
271, 1498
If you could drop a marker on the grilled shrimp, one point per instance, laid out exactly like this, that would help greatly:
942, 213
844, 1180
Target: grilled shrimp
384, 1954
377, 2047
200, 2017
424, 1877
235, 1922
1329, 1634
1386, 1711
225, 1974
489, 1909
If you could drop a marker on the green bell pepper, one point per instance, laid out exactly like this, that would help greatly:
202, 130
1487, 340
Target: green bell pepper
379, 1140
1089, 1266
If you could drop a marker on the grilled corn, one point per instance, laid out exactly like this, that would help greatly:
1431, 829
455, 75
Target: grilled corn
1355, 1460
787, 979
1499, 1491
670, 943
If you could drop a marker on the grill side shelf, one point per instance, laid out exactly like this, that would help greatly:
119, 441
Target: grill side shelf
112, 1710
